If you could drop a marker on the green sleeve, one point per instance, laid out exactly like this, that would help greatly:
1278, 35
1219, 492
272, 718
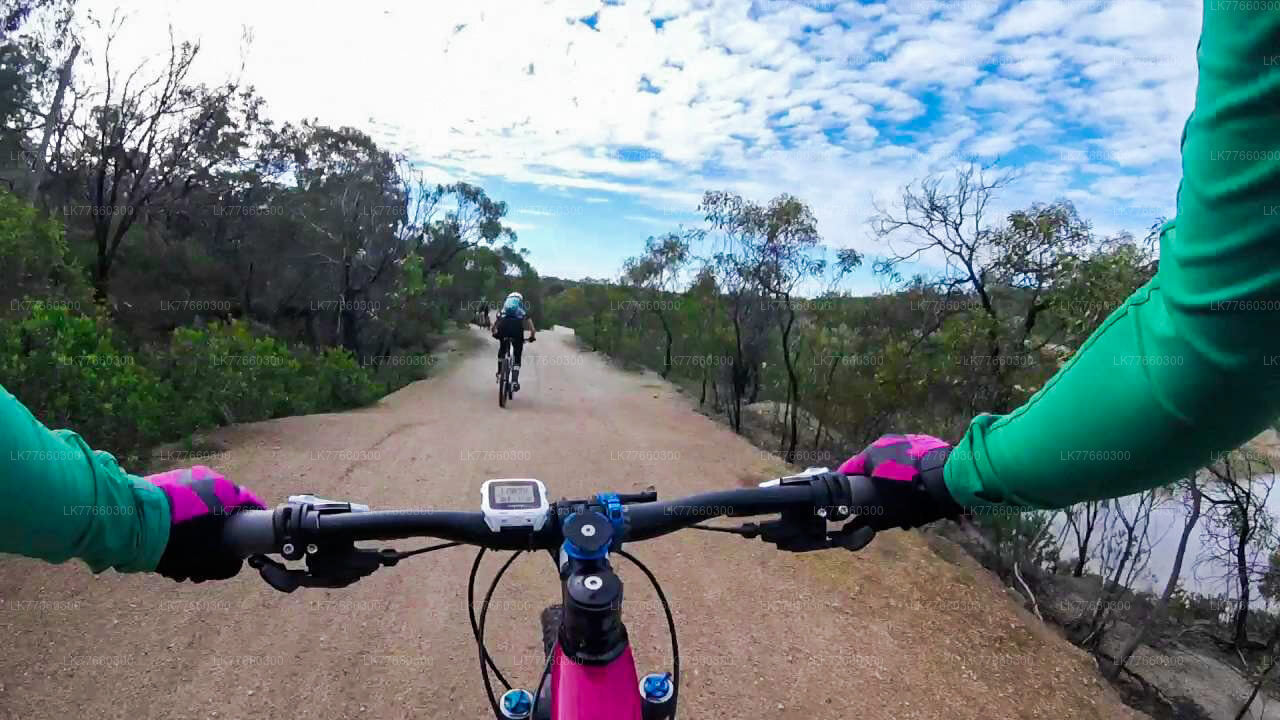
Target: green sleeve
1187, 367
59, 499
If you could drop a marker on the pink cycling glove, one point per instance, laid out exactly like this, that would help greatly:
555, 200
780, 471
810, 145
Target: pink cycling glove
200, 500
906, 474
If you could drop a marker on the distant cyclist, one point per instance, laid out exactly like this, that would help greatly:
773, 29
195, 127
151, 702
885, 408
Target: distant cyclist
509, 326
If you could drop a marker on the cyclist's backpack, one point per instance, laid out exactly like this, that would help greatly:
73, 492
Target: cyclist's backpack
513, 308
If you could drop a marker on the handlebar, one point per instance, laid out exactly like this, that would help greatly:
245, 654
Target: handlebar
805, 503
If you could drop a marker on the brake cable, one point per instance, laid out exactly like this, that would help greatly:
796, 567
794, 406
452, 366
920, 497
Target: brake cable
430, 548
671, 626
747, 530
477, 629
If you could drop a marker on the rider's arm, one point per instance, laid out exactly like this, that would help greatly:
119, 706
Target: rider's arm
59, 499
528, 325
1187, 366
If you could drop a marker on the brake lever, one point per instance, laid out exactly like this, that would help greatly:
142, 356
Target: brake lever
332, 568
276, 574
852, 540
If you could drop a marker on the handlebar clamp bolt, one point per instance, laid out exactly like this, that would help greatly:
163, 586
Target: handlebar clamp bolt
287, 549
822, 512
312, 549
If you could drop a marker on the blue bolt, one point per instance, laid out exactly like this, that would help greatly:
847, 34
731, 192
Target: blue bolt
517, 703
656, 687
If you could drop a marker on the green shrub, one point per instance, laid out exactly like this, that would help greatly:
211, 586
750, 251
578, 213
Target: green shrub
338, 381
71, 372
227, 374
37, 263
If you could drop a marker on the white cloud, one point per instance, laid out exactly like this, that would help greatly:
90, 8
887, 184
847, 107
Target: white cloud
524, 93
1035, 18
665, 222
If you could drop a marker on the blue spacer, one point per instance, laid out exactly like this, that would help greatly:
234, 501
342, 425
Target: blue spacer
613, 510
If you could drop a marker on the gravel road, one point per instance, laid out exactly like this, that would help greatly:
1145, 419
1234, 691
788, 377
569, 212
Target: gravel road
895, 631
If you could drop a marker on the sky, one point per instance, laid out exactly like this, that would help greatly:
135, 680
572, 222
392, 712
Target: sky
602, 123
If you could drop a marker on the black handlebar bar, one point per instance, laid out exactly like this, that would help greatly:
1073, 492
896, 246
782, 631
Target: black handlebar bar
259, 532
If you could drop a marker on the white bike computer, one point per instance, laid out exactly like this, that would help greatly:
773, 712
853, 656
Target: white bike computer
514, 503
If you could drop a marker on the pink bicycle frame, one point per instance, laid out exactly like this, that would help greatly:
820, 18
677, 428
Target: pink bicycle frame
595, 692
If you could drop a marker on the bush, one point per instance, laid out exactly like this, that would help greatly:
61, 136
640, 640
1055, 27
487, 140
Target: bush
72, 372
338, 381
226, 374
1024, 537
37, 263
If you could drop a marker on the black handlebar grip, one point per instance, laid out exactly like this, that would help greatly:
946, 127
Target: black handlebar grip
250, 532
862, 492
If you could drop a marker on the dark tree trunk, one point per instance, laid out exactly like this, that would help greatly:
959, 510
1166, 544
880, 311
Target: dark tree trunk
102, 277
1083, 539
1099, 621
826, 400
55, 112
793, 387
666, 362
1162, 605
1241, 619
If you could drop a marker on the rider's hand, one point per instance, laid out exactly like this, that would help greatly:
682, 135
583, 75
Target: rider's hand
200, 500
905, 472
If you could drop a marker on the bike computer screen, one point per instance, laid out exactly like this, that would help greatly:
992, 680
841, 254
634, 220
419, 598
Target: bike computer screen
514, 503
514, 495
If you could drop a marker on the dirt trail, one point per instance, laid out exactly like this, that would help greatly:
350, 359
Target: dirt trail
892, 632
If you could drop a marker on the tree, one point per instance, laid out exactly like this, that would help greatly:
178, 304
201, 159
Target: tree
655, 273
766, 252
1011, 269
1240, 530
735, 280
138, 143
1082, 518
34, 38
1125, 550
784, 260
475, 219
1192, 502
353, 205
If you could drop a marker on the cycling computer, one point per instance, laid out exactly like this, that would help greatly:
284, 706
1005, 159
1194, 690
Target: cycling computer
514, 503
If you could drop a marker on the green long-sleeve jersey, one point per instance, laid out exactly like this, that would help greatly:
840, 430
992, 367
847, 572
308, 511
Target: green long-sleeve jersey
1187, 366
60, 500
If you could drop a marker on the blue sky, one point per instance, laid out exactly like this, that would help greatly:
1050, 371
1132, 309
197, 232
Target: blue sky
602, 123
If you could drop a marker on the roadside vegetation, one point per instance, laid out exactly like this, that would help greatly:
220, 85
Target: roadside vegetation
749, 314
